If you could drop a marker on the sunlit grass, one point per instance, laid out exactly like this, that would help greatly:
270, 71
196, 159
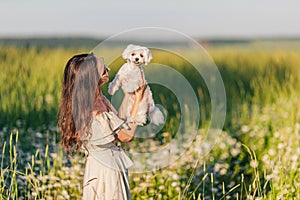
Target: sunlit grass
256, 157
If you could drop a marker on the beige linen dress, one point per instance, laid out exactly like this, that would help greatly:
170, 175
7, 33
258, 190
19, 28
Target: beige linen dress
106, 166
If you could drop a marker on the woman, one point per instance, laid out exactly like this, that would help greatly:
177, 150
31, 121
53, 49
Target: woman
88, 120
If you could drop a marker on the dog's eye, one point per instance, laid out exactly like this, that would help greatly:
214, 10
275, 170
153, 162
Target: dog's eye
141, 55
133, 54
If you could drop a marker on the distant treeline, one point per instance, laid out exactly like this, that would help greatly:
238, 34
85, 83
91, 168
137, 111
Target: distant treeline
88, 42
50, 42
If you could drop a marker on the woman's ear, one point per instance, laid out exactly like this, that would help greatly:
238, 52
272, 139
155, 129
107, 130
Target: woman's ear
148, 55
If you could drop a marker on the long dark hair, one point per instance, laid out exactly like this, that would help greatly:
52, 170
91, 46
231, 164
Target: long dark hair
80, 89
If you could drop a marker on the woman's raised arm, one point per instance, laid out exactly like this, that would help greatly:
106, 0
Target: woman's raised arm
125, 135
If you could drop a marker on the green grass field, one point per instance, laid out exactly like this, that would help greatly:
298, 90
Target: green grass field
257, 155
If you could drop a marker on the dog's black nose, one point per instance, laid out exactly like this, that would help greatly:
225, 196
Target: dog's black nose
136, 59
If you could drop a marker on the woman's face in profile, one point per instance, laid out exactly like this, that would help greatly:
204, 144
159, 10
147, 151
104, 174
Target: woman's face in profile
103, 70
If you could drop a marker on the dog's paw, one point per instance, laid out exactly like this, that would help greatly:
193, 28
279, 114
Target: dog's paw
111, 90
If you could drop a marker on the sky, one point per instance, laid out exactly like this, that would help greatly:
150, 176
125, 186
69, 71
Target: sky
196, 18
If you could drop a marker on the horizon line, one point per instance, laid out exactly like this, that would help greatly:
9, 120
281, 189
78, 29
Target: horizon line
199, 38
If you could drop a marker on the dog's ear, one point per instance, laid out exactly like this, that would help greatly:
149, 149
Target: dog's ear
127, 51
147, 55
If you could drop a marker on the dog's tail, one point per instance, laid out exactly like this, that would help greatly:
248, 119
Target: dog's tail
156, 116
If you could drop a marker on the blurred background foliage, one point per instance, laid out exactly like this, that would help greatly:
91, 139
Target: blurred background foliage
257, 155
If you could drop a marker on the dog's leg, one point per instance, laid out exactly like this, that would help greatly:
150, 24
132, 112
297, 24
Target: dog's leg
150, 100
154, 113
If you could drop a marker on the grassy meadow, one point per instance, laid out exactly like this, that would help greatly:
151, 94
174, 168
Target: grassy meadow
257, 155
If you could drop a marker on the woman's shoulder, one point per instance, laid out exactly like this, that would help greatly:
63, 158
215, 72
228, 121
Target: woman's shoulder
108, 121
109, 117
105, 115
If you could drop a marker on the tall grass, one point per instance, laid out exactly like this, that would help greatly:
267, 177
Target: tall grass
257, 155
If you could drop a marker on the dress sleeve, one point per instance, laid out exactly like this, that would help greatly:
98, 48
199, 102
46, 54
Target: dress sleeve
104, 127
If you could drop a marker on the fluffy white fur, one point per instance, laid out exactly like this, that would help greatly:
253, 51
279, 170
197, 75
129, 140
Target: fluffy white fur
130, 77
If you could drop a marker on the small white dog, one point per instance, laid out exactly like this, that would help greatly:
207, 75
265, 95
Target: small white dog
130, 77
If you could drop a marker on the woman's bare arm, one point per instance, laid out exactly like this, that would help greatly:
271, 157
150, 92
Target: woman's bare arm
125, 135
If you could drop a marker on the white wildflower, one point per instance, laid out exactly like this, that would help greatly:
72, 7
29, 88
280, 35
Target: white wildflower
39, 134
234, 152
269, 177
161, 187
175, 176
276, 134
53, 155
65, 194
245, 128
217, 167
280, 146
254, 163
223, 171
272, 152
174, 184
224, 155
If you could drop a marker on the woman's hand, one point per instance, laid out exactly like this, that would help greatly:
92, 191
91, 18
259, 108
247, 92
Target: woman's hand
138, 97
140, 92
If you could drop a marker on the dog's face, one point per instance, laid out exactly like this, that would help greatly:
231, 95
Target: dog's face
136, 57
137, 54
